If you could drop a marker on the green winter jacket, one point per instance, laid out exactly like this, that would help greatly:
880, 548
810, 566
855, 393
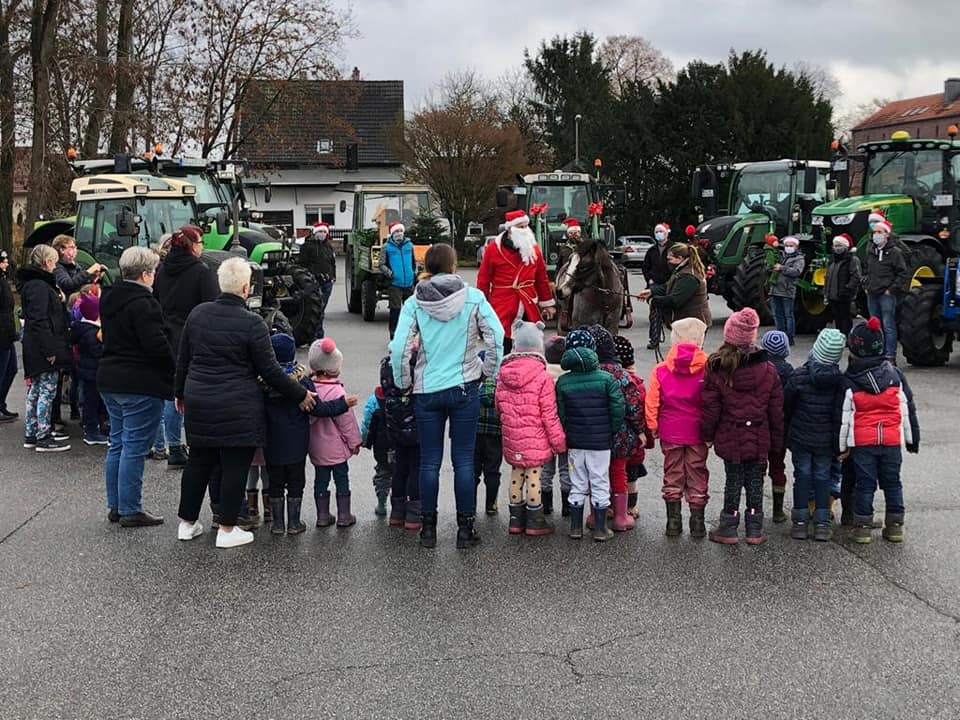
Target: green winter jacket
589, 402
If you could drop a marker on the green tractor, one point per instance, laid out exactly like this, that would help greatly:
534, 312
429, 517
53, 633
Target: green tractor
776, 196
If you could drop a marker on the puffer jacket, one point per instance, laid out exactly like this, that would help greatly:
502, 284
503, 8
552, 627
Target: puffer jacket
743, 418
454, 323
630, 435
784, 369
527, 403
791, 270
589, 402
45, 326
333, 440
398, 263
812, 403
398, 408
673, 404
85, 336
878, 407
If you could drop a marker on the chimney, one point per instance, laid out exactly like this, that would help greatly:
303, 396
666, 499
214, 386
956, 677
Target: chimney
951, 90
355, 75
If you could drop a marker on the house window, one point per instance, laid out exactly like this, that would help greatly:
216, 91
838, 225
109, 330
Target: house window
319, 213
324, 146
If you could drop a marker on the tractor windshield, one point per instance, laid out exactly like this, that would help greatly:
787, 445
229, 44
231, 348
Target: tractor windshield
96, 229
210, 193
767, 188
917, 173
388, 208
562, 201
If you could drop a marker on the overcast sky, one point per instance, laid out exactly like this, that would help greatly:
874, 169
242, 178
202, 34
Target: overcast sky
875, 48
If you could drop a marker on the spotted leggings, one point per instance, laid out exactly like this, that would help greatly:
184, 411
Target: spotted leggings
40, 397
529, 477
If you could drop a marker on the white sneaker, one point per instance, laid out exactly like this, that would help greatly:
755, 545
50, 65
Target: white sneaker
189, 530
234, 538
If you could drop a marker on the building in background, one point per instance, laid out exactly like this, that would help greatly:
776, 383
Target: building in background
927, 116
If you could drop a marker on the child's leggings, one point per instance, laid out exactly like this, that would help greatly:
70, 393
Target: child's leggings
743, 476
529, 477
557, 465
40, 397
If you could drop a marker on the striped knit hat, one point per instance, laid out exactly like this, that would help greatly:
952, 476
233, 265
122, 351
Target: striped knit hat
828, 347
776, 343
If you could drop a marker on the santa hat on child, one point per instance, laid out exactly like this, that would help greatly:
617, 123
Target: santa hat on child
573, 225
515, 217
876, 216
662, 227
321, 228
396, 227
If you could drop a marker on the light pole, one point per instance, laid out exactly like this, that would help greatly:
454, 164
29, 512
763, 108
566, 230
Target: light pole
576, 138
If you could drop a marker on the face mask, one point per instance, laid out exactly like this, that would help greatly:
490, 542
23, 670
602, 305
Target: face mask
840, 249
660, 237
879, 239
790, 249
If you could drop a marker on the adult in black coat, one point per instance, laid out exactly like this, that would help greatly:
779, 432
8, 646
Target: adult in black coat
71, 275
657, 271
45, 351
134, 378
8, 336
223, 350
318, 256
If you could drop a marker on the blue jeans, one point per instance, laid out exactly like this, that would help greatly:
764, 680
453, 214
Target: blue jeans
326, 289
461, 405
783, 317
884, 307
133, 426
321, 480
877, 465
170, 430
8, 371
812, 471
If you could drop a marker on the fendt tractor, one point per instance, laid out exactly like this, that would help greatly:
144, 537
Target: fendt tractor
739, 205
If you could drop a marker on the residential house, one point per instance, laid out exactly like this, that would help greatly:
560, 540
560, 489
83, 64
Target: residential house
927, 116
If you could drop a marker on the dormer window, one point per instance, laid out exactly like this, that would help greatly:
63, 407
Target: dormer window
324, 146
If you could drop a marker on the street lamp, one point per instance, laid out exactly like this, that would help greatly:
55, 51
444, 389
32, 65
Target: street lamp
576, 138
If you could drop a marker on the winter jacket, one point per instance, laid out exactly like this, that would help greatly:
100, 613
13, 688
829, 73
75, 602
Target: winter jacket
454, 323
182, 283
878, 407
630, 435
8, 327
812, 401
137, 358
886, 270
333, 440
656, 269
527, 403
398, 263
45, 324
224, 349
85, 336
589, 402
645, 437
373, 427
398, 408
489, 422
784, 369
791, 270
673, 404
743, 418
684, 295
71, 277
319, 258
843, 279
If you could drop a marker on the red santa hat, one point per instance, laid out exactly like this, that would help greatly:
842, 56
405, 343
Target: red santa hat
515, 217
691, 231
846, 238
662, 227
876, 216
572, 225
395, 227
883, 226
321, 227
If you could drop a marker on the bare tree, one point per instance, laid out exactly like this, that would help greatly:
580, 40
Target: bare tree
9, 13
125, 81
632, 59
103, 80
824, 83
516, 96
844, 123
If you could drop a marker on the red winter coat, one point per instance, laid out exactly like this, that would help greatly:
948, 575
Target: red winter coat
510, 285
527, 403
743, 419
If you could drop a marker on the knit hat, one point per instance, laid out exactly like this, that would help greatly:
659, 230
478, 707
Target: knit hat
828, 347
528, 336
866, 339
688, 330
776, 343
624, 351
284, 347
876, 216
553, 352
740, 329
690, 231
603, 343
324, 357
580, 338
89, 306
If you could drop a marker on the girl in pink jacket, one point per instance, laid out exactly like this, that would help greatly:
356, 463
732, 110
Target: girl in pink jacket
333, 440
527, 403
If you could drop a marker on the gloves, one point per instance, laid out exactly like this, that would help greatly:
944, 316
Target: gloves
913, 448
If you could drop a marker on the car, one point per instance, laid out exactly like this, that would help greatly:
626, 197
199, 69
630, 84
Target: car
631, 249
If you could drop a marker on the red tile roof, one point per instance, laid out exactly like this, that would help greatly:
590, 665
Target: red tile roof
911, 110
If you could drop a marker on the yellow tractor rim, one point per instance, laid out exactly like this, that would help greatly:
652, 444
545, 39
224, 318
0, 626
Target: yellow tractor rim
820, 277
924, 271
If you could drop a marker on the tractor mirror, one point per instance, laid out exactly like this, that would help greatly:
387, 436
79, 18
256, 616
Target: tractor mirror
810, 179
223, 222
503, 197
128, 224
267, 193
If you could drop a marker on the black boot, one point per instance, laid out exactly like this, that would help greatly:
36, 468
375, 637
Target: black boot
491, 506
893, 527
601, 533
576, 521
564, 503
428, 529
674, 518
276, 514
294, 525
698, 527
518, 519
546, 499
466, 535
779, 515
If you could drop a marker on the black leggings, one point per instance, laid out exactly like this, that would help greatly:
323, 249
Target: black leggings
743, 476
291, 478
406, 472
234, 462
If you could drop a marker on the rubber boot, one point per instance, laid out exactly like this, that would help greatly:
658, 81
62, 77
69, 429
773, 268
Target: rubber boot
491, 507
674, 518
726, 532
267, 510
601, 533
537, 523
411, 520
753, 523
324, 518
698, 526
546, 498
621, 521
576, 521
428, 529
276, 511
398, 511
381, 509
862, 529
253, 504
344, 517
779, 515
467, 536
518, 519
294, 525
565, 504
893, 527
800, 521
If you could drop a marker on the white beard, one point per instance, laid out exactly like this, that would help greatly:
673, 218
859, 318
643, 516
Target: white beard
524, 241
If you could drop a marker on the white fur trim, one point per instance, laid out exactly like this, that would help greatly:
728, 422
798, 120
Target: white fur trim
517, 221
547, 303
398, 227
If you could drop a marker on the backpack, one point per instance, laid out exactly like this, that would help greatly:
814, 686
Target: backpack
398, 411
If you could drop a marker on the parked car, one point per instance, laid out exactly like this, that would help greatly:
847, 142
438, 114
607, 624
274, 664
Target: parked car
631, 249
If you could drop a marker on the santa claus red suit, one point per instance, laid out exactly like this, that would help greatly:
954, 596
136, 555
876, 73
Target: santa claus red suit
513, 274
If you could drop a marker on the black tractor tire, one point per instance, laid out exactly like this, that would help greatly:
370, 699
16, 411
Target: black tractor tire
812, 313
369, 299
303, 314
920, 327
923, 259
354, 300
749, 286
276, 321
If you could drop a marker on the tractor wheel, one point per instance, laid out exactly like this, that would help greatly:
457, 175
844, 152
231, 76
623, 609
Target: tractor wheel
920, 327
276, 321
354, 301
302, 308
749, 287
922, 261
369, 299
812, 312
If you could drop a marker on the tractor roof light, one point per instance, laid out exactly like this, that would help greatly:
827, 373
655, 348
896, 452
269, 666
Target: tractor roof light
900, 136
189, 189
71, 153
835, 145
158, 149
139, 189
952, 131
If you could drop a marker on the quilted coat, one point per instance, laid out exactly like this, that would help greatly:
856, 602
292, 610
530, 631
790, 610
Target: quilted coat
674, 403
333, 440
527, 403
812, 404
589, 402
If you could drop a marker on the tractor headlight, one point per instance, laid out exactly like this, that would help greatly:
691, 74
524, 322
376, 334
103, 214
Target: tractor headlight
255, 303
843, 219
817, 220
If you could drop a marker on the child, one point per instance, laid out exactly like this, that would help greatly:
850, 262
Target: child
332, 440
783, 285
777, 345
86, 337
489, 451
553, 354
673, 409
811, 409
527, 404
771, 256
258, 475
398, 407
591, 408
635, 466
373, 431
878, 415
743, 419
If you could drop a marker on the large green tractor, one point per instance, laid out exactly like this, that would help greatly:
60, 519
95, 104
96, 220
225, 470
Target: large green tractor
739, 205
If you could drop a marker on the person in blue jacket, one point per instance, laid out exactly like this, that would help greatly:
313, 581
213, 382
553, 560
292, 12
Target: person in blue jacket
399, 266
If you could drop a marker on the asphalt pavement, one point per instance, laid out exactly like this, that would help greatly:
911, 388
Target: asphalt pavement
97, 621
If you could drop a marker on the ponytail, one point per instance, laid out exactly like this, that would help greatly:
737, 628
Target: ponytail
688, 253
724, 361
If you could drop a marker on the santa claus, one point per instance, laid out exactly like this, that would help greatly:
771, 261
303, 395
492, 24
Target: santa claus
513, 276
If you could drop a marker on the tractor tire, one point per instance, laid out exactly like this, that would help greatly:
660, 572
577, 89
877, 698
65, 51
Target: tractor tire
369, 299
276, 321
354, 301
812, 313
304, 308
920, 327
749, 287
922, 261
